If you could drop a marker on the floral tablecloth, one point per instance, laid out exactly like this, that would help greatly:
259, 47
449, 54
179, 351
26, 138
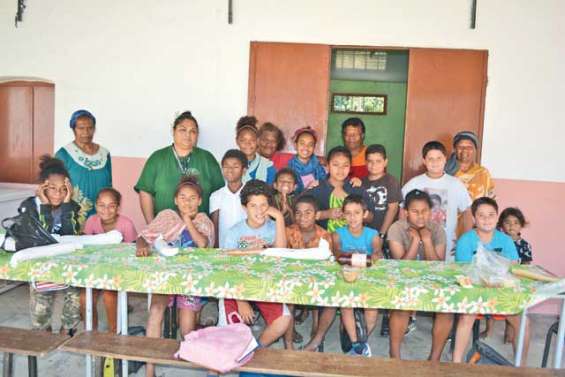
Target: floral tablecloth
389, 284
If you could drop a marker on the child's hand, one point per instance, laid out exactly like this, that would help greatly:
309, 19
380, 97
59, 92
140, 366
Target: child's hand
415, 234
274, 213
313, 184
335, 213
425, 234
245, 311
355, 182
41, 192
142, 248
69, 188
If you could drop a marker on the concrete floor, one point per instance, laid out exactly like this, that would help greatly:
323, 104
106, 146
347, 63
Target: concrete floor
14, 313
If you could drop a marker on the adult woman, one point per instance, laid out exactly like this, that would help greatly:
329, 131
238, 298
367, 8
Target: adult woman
462, 165
271, 141
88, 164
164, 168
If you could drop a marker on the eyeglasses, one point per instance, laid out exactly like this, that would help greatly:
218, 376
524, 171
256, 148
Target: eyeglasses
111, 206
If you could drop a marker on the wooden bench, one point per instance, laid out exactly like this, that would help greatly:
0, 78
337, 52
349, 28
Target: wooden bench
30, 343
160, 351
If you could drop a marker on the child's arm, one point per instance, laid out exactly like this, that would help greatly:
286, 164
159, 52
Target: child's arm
147, 206
199, 239
431, 252
390, 215
467, 220
280, 228
142, 248
336, 245
332, 213
216, 221
245, 311
397, 249
376, 243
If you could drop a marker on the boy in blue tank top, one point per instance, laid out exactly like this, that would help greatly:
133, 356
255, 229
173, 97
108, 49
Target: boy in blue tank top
357, 238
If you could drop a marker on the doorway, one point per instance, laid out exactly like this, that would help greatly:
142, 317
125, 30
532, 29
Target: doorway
293, 85
371, 85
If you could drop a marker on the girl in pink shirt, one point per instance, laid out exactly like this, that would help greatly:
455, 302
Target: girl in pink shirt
107, 218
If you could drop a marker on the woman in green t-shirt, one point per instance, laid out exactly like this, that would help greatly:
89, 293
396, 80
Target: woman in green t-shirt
164, 168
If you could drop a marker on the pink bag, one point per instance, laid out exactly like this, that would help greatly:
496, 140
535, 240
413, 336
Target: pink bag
219, 348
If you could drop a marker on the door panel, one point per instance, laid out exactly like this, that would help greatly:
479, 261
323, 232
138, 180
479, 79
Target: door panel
16, 134
446, 92
289, 86
43, 127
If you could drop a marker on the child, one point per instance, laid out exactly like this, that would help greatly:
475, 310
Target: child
485, 214
382, 189
305, 164
357, 238
285, 185
271, 142
58, 214
511, 222
256, 232
304, 234
225, 205
452, 196
258, 167
185, 228
107, 218
331, 192
418, 238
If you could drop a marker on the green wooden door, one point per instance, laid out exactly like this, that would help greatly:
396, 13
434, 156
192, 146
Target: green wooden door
380, 129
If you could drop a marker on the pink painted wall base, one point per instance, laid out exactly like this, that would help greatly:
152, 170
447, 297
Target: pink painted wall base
541, 202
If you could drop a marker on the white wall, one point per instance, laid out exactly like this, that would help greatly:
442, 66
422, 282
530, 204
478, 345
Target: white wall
136, 63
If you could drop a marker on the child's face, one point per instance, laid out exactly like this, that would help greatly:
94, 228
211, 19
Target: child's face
256, 208
187, 201
305, 146
268, 144
247, 143
435, 162
511, 226
353, 137
107, 208
486, 218
418, 214
354, 215
233, 170
56, 189
338, 167
376, 164
305, 216
285, 184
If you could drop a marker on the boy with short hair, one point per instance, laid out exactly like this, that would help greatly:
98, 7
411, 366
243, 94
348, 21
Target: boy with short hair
485, 215
258, 231
451, 195
418, 238
383, 189
225, 204
305, 234
357, 238
284, 185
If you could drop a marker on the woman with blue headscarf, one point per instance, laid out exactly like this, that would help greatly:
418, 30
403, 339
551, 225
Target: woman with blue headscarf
89, 164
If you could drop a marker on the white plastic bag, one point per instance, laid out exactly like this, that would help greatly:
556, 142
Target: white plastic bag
491, 270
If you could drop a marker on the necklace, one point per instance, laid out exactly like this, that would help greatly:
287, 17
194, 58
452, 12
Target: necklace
184, 169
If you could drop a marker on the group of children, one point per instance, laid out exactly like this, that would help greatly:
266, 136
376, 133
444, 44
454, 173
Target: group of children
295, 207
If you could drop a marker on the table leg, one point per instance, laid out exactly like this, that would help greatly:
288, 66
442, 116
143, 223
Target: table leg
88, 326
123, 305
560, 337
32, 366
521, 336
8, 366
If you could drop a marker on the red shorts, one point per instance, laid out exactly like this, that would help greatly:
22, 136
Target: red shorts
496, 317
269, 310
